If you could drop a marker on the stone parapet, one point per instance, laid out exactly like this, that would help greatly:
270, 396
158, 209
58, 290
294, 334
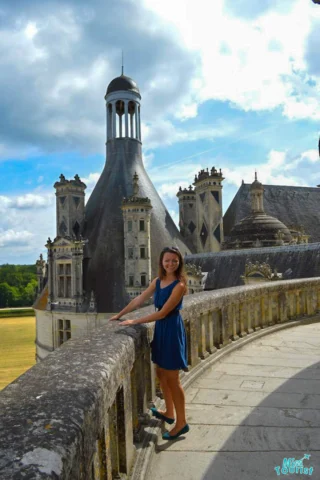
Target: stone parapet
82, 412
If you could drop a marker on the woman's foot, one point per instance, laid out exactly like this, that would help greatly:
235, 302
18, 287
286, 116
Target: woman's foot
175, 433
161, 415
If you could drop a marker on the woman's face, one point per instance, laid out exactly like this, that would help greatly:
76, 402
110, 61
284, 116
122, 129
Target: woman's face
170, 262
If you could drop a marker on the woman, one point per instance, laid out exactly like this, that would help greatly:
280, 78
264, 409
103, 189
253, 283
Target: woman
169, 344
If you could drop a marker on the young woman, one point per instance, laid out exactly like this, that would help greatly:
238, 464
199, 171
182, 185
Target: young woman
169, 344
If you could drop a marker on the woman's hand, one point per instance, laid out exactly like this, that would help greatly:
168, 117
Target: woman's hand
115, 317
128, 322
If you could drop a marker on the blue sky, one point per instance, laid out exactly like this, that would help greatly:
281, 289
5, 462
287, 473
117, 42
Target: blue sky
235, 85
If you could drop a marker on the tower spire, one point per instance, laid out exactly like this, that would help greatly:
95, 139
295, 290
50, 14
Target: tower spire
122, 63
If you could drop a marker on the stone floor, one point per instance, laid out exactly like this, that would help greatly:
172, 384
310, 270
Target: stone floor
248, 412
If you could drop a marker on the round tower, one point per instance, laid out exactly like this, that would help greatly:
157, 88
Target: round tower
208, 190
105, 264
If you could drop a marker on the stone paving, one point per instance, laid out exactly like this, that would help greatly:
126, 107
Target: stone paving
249, 411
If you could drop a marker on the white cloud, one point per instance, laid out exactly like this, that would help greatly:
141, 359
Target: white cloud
12, 237
163, 132
257, 63
31, 201
91, 180
170, 190
279, 169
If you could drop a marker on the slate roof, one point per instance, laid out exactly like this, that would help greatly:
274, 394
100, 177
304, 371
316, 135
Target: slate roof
103, 227
226, 267
294, 206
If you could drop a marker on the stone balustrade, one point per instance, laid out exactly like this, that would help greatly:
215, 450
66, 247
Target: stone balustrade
82, 412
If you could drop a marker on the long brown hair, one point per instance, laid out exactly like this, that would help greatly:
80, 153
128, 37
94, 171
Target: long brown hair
180, 272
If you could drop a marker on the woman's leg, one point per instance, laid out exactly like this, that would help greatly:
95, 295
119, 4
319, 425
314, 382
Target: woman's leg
169, 411
177, 395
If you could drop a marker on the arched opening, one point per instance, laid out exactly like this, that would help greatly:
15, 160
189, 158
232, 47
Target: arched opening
131, 112
120, 117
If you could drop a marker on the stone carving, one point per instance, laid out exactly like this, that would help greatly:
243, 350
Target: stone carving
257, 272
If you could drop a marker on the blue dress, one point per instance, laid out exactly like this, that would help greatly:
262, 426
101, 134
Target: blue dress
169, 344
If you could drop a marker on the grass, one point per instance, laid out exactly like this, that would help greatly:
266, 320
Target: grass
17, 348
16, 312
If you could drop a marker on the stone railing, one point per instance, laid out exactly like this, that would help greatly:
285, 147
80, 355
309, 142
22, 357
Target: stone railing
82, 412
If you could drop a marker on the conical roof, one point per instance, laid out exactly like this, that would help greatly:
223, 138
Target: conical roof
104, 263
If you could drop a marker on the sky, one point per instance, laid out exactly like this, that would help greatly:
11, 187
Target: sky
233, 84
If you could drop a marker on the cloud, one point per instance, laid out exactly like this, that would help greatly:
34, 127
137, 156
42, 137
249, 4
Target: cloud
280, 168
31, 201
170, 190
164, 132
313, 48
12, 238
56, 59
252, 53
26, 221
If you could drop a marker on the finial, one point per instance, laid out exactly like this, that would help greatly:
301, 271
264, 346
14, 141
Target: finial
122, 63
255, 175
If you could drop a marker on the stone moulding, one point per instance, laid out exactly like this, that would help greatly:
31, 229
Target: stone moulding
82, 412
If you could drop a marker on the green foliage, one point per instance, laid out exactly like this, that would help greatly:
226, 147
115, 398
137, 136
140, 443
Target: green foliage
18, 284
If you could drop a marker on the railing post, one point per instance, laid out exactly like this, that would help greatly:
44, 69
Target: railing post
242, 314
225, 326
249, 315
194, 340
203, 322
210, 334
235, 325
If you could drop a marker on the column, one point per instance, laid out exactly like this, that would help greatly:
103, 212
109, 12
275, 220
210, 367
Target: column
136, 120
114, 120
139, 124
126, 118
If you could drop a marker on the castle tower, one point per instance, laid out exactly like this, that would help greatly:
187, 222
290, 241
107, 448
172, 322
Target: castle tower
256, 196
136, 212
105, 267
65, 253
208, 190
69, 206
41, 273
188, 217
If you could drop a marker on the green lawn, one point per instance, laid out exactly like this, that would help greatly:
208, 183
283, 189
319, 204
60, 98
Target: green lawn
17, 348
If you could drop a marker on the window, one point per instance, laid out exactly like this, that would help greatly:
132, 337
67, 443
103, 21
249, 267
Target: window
131, 280
143, 280
142, 252
64, 331
141, 225
130, 252
64, 280
129, 225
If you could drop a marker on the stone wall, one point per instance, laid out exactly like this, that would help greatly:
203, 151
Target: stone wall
82, 412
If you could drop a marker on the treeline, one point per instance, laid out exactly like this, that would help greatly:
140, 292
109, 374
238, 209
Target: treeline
18, 285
